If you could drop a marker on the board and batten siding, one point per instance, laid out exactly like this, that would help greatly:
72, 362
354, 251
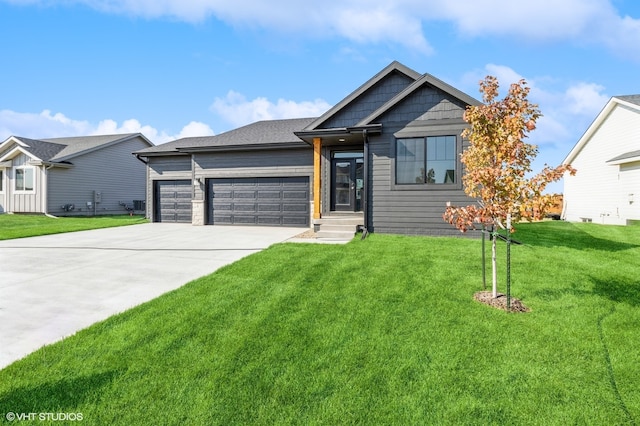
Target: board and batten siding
19, 201
407, 209
113, 171
599, 192
370, 101
171, 167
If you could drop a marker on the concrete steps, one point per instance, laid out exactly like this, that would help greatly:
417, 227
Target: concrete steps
338, 227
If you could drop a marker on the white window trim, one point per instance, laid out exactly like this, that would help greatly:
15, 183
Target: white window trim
15, 179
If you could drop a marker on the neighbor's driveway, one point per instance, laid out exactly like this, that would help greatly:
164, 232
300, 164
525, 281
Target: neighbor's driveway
55, 285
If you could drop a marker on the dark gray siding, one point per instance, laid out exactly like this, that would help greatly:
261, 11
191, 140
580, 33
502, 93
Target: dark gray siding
405, 209
368, 102
174, 167
112, 170
265, 163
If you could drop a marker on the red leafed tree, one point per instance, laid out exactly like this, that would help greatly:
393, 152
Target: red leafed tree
498, 164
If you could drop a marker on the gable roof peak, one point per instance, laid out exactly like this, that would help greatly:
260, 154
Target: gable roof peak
393, 67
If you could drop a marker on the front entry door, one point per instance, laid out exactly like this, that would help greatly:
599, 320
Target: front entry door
347, 181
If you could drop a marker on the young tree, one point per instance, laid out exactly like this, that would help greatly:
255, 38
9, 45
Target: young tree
498, 163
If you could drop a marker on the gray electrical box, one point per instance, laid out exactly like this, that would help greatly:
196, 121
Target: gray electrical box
97, 196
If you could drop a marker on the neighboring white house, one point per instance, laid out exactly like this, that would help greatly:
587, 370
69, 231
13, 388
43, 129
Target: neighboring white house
606, 187
72, 176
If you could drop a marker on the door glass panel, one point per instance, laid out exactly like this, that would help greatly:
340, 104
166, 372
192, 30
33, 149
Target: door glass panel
359, 183
343, 183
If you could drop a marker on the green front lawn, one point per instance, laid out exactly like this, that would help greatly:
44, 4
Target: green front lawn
380, 331
19, 225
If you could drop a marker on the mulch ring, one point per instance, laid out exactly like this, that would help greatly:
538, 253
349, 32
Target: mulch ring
500, 302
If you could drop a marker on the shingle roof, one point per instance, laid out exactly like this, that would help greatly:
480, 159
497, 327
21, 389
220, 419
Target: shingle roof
260, 133
41, 149
634, 99
81, 144
63, 149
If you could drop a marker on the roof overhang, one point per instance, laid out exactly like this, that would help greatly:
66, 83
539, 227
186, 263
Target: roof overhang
613, 102
17, 151
341, 135
50, 164
9, 141
239, 147
627, 157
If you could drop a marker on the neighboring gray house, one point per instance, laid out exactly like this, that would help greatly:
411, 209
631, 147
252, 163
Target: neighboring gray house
72, 176
386, 156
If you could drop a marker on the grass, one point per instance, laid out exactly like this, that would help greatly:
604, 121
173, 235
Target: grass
380, 331
20, 226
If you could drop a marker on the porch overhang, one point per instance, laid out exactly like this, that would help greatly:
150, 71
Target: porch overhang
335, 137
339, 135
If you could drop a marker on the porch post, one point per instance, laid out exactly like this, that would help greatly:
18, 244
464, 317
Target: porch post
317, 152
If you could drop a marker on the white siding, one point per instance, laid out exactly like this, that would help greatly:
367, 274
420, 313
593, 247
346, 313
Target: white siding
24, 202
600, 191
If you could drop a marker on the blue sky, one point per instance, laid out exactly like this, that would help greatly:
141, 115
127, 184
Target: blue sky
174, 68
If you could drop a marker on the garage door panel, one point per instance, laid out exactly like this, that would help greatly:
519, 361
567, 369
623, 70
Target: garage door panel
244, 208
295, 195
264, 207
173, 201
295, 208
269, 195
245, 194
297, 182
271, 201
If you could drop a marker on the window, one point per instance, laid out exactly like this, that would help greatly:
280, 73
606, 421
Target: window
430, 160
24, 179
1, 180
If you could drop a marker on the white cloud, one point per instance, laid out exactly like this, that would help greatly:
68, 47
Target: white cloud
48, 125
568, 108
585, 99
401, 22
238, 111
195, 128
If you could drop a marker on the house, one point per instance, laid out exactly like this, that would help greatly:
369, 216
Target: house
606, 188
72, 176
386, 156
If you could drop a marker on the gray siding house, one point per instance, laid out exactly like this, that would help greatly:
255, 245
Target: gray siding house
386, 156
72, 176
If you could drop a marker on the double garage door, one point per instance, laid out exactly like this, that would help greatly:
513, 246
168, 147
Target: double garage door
282, 201
275, 201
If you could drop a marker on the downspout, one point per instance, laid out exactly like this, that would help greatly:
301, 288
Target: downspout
45, 192
148, 189
365, 138
140, 158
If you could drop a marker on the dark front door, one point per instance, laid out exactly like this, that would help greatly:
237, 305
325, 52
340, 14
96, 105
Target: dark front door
347, 173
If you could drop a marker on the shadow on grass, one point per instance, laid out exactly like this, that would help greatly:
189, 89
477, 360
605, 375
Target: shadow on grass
618, 290
562, 234
62, 395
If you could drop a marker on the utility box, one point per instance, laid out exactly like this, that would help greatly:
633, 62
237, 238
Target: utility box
97, 196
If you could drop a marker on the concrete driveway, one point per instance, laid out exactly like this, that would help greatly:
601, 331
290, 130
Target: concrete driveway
55, 285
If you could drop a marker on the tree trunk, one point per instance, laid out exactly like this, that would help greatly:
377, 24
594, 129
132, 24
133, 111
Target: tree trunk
494, 268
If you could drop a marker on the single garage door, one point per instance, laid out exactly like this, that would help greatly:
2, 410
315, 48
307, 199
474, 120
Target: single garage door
173, 201
280, 201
